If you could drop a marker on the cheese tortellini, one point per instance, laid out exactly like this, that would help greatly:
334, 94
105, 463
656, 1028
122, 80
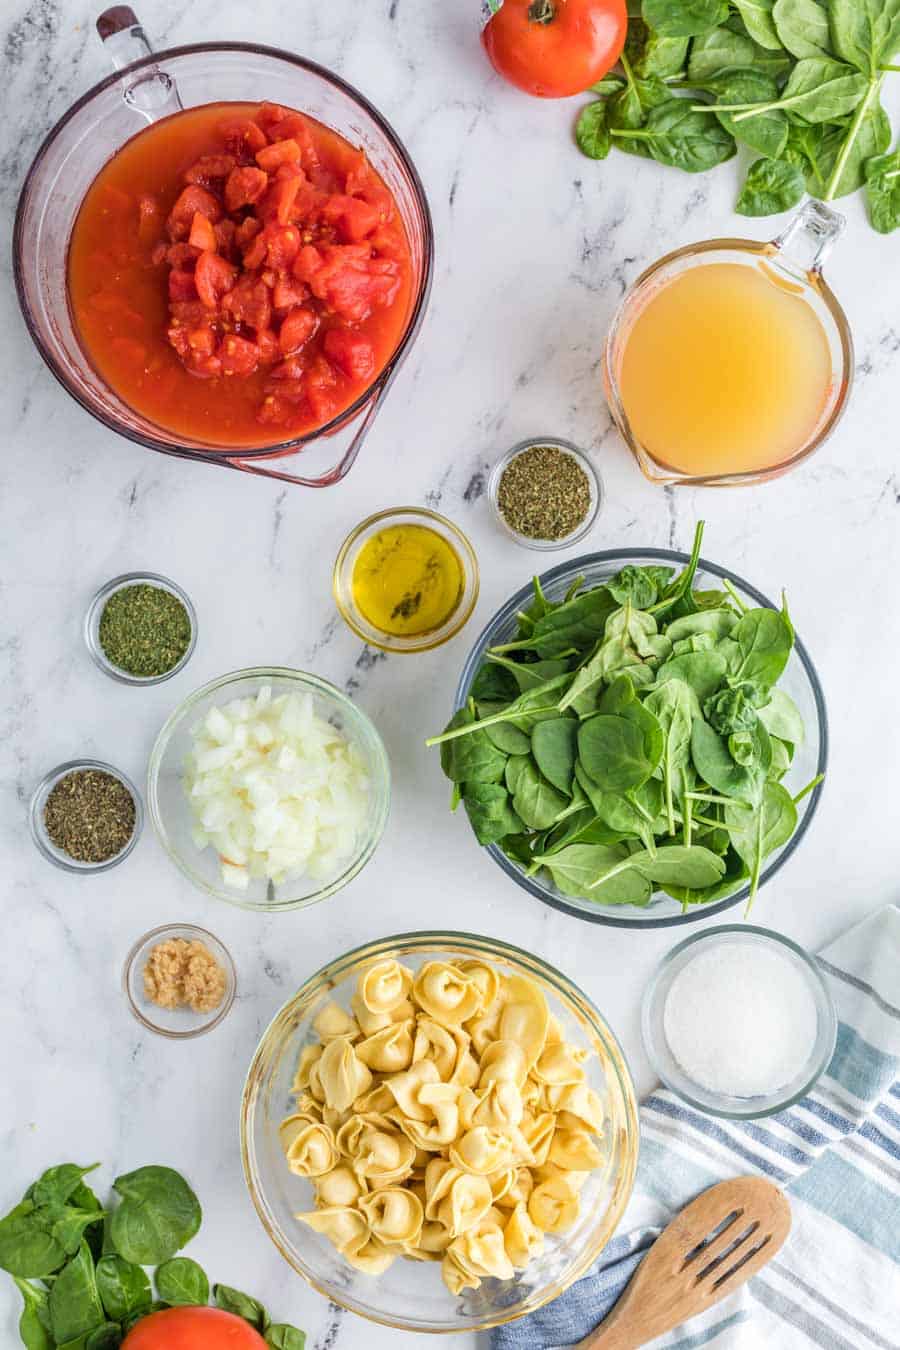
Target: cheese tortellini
444, 1117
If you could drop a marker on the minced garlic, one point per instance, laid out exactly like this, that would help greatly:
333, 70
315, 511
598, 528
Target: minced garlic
182, 974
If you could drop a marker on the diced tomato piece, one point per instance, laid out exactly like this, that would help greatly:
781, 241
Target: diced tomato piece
387, 242
182, 255
353, 284
207, 367
203, 234
178, 337
269, 114
295, 127
359, 175
249, 303
353, 217
247, 230
210, 168
319, 383
282, 246
292, 368
255, 253
182, 285
243, 138
267, 344
202, 339
279, 200
243, 187
350, 352
273, 410
214, 277
296, 329
282, 152
308, 262
192, 313
288, 293
193, 199
238, 355
225, 232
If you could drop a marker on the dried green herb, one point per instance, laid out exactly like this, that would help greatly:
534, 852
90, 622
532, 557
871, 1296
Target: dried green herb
89, 814
544, 493
144, 630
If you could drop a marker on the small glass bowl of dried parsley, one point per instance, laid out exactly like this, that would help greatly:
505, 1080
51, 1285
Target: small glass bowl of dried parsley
86, 816
545, 492
141, 628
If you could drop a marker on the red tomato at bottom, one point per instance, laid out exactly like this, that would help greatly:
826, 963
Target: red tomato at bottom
193, 1329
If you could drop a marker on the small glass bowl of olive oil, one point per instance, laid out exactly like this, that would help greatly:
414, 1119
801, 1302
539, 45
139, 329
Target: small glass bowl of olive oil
406, 580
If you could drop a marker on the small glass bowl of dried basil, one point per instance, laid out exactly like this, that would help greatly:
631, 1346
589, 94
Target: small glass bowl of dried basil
545, 493
86, 816
141, 628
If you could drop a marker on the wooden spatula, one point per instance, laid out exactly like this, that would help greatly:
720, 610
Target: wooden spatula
722, 1238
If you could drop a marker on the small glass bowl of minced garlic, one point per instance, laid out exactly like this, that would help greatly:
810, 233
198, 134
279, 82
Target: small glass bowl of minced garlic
545, 493
406, 580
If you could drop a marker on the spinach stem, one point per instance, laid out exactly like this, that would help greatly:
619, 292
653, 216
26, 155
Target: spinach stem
811, 785
631, 135
744, 609
850, 139
487, 722
717, 801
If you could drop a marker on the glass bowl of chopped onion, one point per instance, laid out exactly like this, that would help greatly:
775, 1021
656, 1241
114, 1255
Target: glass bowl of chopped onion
269, 788
299, 1157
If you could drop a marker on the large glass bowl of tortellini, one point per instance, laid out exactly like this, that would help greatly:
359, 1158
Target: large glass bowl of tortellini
439, 1132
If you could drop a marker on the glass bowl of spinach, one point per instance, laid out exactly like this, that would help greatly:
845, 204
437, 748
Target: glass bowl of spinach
639, 738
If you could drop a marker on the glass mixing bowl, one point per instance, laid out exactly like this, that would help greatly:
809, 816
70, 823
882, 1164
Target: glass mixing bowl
412, 1296
800, 680
171, 816
151, 86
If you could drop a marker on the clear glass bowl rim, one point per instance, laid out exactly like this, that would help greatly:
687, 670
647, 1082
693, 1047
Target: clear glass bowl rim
224, 455
478, 945
764, 248
438, 636
819, 1063
36, 825
178, 929
316, 684
621, 556
582, 458
95, 608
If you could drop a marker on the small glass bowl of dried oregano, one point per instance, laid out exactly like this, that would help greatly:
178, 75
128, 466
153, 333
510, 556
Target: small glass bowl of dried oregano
86, 816
545, 492
141, 628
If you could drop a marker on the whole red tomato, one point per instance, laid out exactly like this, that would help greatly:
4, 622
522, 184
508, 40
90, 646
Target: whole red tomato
554, 48
193, 1329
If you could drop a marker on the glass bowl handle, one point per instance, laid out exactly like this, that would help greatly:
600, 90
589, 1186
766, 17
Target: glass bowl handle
807, 239
337, 471
152, 93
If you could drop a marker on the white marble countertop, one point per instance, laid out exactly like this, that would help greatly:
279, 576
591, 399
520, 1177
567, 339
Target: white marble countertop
534, 247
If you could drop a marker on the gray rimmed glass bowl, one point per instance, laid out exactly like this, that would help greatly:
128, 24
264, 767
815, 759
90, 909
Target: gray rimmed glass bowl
170, 813
411, 1296
800, 680
595, 484
95, 614
668, 1067
42, 839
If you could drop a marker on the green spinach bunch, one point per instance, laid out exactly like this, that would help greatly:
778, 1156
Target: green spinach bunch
79, 1266
798, 82
632, 738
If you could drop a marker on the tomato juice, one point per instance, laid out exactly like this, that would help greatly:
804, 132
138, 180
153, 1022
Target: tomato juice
239, 274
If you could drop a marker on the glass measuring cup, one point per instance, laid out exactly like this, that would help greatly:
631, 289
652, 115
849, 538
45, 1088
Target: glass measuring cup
145, 87
794, 262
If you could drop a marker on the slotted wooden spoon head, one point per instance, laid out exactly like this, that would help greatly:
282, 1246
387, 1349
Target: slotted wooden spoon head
714, 1245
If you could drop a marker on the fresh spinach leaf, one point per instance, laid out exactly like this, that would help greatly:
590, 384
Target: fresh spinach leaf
554, 746
715, 765
782, 718
683, 18
158, 1215
680, 136
613, 753
507, 738
28, 1247
843, 159
703, 671
182, 1283
766, 134
75, 1307
524, 675
765, 639
651, 53
803, 28
123, 1288
234, 1301
819, 90
883, 191
58, 1185
575, 871
105, 1337
759, 22
33, 1323
866, 33
716, 622
722, 50
771, 185
639, 586
592, 131
535, 801
674, 704
281, 1336
490, 812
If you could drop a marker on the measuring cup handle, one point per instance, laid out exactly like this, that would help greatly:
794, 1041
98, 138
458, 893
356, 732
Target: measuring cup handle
151, 93
337, 470
805, 243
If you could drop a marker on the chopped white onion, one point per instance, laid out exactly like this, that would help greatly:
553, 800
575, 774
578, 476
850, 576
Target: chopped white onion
276, 790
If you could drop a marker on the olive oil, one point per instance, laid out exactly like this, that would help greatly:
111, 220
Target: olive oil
407, 580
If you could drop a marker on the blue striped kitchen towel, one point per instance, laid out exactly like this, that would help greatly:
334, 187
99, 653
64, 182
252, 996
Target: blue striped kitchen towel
836, 1282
